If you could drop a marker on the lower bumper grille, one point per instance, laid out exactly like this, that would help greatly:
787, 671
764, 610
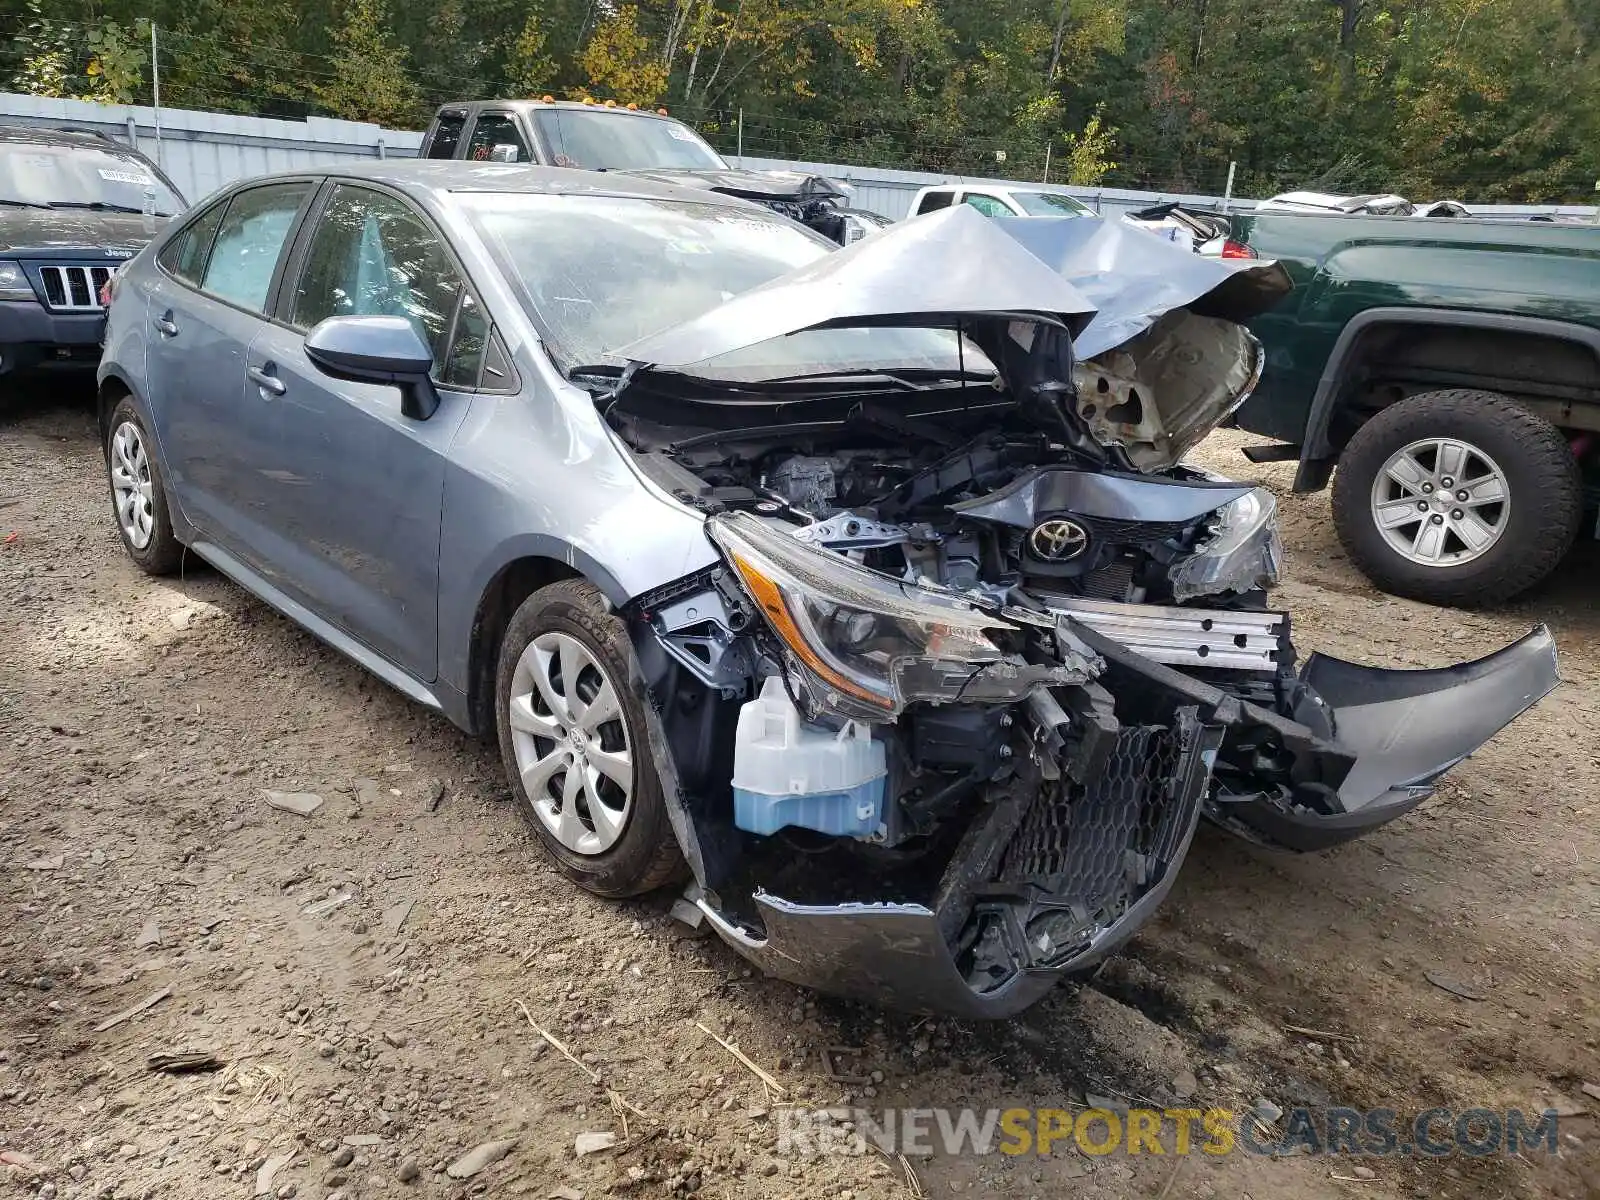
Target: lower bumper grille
1081, 847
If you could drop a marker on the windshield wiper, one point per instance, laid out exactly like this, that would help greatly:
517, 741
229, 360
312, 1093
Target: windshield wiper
23, 204
912, 379
98, 205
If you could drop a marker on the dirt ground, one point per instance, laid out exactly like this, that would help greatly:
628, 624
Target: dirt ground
369, 976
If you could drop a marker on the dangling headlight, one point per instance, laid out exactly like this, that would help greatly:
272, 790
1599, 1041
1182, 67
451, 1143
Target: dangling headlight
860, 644
1243, 552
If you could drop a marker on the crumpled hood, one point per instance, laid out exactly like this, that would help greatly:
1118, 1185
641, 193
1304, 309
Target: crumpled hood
929, 272
1133, 278
1106, 282
754, 185
32, 232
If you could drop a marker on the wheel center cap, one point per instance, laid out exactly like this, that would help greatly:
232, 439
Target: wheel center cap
578, 742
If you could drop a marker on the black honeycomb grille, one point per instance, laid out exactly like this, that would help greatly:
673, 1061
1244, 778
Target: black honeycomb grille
1081, 845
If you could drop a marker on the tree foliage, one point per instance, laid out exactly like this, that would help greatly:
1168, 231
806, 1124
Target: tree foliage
1474, 99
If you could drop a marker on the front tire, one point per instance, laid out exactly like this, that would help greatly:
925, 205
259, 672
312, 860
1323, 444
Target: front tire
573, 740
1460, 498
138, 494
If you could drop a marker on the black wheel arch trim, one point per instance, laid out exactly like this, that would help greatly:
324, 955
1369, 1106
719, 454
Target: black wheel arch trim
461, 669
1317, 456
183, 528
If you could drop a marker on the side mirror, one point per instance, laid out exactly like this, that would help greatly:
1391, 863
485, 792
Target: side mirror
377, 350
504, 152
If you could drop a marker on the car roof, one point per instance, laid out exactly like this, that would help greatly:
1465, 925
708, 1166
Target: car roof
442, 176
43, 135
527, 105
989, 185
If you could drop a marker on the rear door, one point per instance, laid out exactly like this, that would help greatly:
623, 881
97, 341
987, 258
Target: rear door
215, 285
355, 509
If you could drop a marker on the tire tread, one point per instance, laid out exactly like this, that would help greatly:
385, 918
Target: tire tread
654, 861
1534, 443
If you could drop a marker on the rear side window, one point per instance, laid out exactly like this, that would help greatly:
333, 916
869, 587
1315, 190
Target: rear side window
497, 131
249, 241
935, 200
185, 255
447, 135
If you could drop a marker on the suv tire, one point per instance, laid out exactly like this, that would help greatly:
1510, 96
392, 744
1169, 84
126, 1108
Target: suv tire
567, 717
138, 494
1466, 549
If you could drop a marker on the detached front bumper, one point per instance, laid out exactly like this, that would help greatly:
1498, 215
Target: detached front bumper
1051, 877
895, 955
1403, 729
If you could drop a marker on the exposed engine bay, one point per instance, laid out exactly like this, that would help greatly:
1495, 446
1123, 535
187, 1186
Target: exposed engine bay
982, 650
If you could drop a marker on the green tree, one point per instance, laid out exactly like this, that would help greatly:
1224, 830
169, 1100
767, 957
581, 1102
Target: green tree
371, 79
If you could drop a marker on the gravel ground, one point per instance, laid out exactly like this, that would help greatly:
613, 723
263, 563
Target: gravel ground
370, 977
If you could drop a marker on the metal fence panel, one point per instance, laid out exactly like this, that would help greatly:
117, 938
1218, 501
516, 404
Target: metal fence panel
203, 151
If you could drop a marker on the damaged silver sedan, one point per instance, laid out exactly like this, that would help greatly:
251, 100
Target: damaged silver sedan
868, 587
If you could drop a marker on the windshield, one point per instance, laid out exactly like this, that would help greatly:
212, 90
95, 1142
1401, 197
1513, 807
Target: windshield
607, 140
44, 176
1051, 204
599, 272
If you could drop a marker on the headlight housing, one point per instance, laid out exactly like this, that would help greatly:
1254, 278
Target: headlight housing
14, 283
1244, 551
854, 228
859, 644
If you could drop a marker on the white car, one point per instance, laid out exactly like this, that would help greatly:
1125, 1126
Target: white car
1388, 205
1000, 200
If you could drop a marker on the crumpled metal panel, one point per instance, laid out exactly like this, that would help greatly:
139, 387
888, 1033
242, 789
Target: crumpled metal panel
928, 272
1045, 491
1107, 282
1132, 277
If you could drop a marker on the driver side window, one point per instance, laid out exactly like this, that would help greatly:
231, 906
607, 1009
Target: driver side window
987, 205
372, 255
494, 130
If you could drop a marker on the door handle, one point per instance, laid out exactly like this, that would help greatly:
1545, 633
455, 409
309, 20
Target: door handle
263, 378
165, 325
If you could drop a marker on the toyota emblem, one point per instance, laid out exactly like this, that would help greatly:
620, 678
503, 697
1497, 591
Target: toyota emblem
1058, 540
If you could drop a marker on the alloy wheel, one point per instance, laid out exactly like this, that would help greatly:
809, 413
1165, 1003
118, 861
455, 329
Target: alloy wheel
1441, 502
131, 488
571, 743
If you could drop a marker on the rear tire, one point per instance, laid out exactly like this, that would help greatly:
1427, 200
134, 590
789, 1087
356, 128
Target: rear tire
575, 747
1418, 530
138, 494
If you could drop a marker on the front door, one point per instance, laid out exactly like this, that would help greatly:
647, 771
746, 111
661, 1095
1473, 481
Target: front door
206, 307
356, 511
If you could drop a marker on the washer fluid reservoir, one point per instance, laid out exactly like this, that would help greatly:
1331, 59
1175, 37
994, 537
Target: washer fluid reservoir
787, 771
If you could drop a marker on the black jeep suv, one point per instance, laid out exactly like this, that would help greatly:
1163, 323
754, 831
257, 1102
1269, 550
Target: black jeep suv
73, 206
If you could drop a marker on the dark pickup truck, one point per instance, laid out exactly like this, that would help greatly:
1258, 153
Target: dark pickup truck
1450, 370
609, 136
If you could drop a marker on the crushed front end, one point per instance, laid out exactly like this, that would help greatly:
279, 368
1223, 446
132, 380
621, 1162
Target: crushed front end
981, 650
